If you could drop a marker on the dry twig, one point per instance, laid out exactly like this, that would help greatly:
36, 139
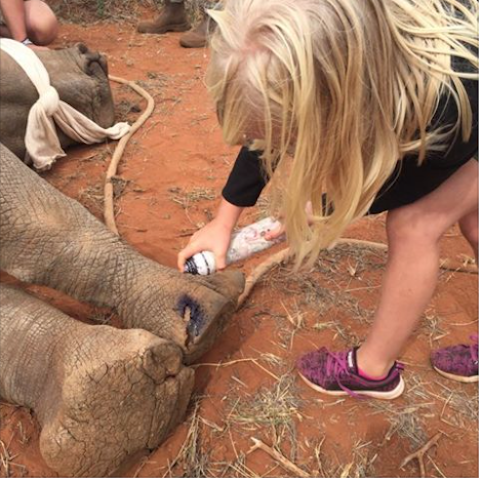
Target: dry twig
420, 453
233, 362
281, 459
260, 271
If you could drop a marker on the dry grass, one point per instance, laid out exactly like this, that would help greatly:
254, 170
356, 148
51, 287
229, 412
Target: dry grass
432, 328
361, 465
97, 156
156, 84
238, 468
80, 11
187, 198
289, 324
8, 467
92, 197
349, 259
191, 461
124, 109
328, 285
406, 416
333, 308
459, 407
23, 436
272, 410
276, 407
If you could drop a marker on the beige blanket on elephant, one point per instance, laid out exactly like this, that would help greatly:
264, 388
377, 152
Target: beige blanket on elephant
41, 141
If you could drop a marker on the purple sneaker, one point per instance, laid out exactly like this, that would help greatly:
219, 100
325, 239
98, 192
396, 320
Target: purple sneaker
458, 362
336, 373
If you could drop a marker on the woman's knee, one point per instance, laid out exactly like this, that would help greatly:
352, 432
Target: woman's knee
469, 226
410, 225
42, 24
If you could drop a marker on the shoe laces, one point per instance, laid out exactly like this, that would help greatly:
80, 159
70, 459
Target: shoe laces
475, 348
337, 368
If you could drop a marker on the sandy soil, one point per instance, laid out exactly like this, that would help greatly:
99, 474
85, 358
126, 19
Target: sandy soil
171, 176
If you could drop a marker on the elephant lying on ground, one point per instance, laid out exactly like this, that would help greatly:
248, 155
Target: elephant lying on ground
100, 394
79, 76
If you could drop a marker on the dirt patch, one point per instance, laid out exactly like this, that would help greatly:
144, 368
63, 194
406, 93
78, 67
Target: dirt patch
170, 178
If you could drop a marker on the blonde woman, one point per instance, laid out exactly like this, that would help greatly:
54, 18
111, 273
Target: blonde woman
372, 103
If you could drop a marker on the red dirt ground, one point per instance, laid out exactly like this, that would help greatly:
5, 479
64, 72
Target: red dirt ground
173, 171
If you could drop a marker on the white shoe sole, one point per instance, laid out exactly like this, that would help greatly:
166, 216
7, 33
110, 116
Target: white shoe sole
396, 392
458, 378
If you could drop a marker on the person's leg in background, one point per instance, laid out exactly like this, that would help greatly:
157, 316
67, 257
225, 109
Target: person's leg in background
198, 36
461, 362
31, 19
469, 226
173, 18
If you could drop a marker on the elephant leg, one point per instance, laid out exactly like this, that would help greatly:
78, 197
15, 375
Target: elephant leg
50, 239
100, 394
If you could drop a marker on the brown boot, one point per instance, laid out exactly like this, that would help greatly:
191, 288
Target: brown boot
173, 18
198, 36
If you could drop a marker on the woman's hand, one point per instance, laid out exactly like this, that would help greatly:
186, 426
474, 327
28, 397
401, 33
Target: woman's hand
214, 237
275, 233
281, 229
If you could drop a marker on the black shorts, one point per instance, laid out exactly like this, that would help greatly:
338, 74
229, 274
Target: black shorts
410, 182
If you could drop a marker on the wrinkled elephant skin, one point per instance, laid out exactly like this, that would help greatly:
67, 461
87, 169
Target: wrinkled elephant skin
50, 239
100, 394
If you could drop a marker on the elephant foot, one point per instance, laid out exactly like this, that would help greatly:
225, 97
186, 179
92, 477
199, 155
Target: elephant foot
121, 392
208, 309
190, 311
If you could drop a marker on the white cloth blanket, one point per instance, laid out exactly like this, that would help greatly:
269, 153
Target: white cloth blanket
41, 141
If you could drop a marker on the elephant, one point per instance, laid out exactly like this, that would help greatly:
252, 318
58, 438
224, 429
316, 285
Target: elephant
79, 75
101, 394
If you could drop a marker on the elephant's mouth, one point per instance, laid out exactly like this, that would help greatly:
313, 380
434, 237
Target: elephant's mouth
192, 311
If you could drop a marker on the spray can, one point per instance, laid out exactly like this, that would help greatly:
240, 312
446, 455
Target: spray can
245, 242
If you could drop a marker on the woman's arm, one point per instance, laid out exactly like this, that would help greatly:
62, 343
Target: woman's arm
244, 186
214, 237
246, 180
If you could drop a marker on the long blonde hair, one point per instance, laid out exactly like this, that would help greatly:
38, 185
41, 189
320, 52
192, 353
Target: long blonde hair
338, 91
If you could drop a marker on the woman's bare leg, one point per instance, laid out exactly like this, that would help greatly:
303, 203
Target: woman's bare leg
469, 226
33, 19
413, 264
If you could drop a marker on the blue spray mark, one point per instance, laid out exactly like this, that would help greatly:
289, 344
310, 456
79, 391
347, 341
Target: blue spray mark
197, 317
